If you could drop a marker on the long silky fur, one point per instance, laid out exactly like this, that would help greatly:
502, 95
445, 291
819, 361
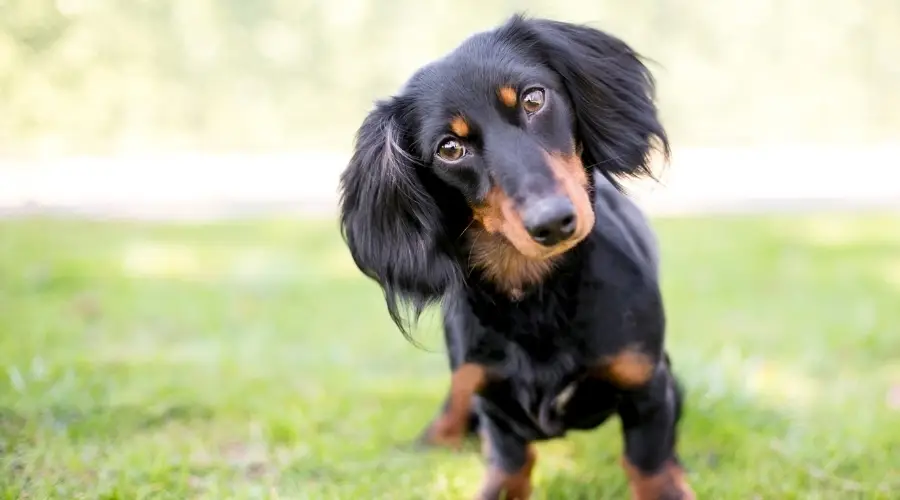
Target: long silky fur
611, 89
401, 226
389, 220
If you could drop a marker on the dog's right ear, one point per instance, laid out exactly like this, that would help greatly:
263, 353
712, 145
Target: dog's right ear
389, 219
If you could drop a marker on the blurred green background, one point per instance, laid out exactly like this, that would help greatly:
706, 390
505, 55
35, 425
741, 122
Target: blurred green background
241, 354
113, 75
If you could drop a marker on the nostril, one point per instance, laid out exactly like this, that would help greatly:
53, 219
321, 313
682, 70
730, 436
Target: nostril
550, 221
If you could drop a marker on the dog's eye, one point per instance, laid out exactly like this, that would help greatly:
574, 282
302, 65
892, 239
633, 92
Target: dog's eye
533, 101
451, 150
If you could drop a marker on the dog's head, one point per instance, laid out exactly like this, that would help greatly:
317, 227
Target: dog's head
485, 158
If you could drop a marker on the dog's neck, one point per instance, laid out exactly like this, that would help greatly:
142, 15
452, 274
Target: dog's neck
506, 268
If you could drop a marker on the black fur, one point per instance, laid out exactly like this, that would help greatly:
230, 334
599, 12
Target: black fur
404, 213
390, 220
611, 91
402, 225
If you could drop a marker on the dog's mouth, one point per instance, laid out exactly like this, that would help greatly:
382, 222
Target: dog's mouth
546, 227
516, 246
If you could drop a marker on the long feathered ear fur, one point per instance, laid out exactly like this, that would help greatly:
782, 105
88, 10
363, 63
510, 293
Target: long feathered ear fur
390, 222
612, 93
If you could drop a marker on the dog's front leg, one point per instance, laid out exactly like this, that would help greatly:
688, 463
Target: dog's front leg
650, 416
510, 461
452, 425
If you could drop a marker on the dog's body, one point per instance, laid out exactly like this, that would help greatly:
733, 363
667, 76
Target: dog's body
488, 183
606, 285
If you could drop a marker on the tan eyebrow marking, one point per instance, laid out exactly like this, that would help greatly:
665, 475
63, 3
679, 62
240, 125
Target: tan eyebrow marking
507, 96
459, 126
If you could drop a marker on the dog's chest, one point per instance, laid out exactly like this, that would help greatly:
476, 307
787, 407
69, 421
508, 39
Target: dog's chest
541, 350
545, 376
542, 397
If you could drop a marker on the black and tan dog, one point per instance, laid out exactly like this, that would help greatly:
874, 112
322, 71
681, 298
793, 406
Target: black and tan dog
489, 184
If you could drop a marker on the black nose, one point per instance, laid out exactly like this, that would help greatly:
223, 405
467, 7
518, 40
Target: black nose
550, 220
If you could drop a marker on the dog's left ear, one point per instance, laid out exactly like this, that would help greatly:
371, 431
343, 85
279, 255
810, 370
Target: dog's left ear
612, 93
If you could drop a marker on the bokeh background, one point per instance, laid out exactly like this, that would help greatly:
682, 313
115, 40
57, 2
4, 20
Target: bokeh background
180, 319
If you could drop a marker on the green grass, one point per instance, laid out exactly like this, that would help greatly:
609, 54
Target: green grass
252, 360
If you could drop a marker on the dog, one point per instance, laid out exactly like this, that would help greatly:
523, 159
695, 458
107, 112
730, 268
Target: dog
491, 183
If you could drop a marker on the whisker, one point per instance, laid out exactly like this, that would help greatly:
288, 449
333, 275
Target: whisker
469, 225
469, 266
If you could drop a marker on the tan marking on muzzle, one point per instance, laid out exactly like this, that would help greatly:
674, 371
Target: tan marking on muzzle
573, 181
496, 239
501, 245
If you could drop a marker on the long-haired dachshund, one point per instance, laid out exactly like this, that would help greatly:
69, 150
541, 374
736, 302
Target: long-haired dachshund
489, 184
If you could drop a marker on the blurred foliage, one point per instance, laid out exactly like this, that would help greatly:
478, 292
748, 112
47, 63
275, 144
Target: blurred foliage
102, 75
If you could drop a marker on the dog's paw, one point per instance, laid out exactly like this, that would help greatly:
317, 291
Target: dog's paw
667, 484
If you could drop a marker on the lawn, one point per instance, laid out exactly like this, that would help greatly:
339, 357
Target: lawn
252, 360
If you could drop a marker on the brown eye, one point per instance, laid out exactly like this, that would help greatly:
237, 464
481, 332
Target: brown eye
451, 150
533, 101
